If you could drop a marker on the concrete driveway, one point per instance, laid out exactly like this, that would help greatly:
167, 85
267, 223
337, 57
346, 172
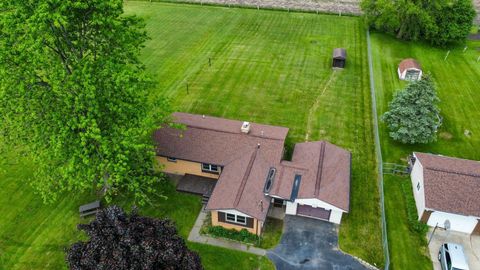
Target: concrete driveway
310, 244
470, 243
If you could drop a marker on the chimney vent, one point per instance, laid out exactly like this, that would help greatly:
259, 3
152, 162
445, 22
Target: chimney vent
203, 116
245, 127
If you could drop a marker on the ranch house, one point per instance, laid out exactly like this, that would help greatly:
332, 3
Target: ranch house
238, 168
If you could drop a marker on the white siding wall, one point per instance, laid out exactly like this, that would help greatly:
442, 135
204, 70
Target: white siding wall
419, 195
335, 216
401, 75
291, 208
458, 223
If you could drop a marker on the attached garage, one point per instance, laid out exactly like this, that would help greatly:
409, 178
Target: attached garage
315, 208
458, 223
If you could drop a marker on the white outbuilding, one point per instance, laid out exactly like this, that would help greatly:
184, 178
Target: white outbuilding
446, 191
410, 70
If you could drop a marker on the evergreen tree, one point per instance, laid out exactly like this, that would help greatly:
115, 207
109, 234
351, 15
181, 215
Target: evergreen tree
413, 115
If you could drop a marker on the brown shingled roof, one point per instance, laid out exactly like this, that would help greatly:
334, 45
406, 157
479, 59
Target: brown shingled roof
326, 175
408, 64
451, 184
247, 159
220, 141
339, 53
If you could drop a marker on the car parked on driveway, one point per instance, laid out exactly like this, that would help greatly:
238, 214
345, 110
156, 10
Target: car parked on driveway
452, 257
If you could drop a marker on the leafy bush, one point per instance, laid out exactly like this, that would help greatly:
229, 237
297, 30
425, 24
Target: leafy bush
118, 240
242, 236
415, 225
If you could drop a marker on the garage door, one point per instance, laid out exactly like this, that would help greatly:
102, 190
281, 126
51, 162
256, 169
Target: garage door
313, 212
457, 222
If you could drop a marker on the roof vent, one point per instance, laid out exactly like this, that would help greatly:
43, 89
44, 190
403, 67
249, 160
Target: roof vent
245, 127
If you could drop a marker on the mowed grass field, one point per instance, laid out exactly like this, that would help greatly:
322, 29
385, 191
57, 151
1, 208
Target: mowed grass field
34, 235
274, 67
266, 66
458, 83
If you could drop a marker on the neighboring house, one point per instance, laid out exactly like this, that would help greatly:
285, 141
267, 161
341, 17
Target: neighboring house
246, 161
409, 69
447, 188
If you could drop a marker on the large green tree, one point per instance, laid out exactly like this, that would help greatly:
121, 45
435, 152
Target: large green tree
413, 115
75, 97
438, 22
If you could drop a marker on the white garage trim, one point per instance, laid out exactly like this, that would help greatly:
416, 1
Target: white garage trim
335, 215
458, 223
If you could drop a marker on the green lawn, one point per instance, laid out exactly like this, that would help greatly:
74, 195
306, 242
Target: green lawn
267, 66
458, 84
272, 232
34, 235
274, 67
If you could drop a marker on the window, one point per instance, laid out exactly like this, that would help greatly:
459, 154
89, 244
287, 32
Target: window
210, 168
231, 217
171, 159
418, 186
235, 218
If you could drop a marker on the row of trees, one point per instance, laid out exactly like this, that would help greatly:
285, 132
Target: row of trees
438, 22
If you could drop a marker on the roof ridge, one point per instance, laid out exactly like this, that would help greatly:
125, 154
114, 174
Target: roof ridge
320, 169
453, 172
230, 132
245, 177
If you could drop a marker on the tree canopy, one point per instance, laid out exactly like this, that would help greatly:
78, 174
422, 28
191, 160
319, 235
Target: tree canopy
413, 115
75, 97
438, 22
129, 241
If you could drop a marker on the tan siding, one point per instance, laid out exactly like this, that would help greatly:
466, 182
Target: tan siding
184, 167
215, 222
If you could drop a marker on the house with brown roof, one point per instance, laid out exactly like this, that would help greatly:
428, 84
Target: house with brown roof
447, 191
410, 70
245, 163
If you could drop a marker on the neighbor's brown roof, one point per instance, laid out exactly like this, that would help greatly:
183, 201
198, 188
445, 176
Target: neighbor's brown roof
408, 64
339, 53
220, 141
325, 170
451, 184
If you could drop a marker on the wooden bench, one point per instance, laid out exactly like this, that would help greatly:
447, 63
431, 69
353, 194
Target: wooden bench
89, 209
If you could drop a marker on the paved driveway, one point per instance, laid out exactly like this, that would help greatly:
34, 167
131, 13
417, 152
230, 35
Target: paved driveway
310, 244
470, 243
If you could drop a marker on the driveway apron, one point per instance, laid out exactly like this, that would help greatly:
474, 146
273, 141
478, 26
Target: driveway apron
310, 244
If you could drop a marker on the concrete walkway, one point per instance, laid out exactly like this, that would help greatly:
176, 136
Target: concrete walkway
195, 236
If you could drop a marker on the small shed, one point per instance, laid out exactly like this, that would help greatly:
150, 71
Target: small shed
339, 58
410, 70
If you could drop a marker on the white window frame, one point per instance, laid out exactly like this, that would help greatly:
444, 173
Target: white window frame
234, 218
171, 159
418, 186
209, 168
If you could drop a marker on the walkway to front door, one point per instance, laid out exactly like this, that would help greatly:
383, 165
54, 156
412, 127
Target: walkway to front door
311, 244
